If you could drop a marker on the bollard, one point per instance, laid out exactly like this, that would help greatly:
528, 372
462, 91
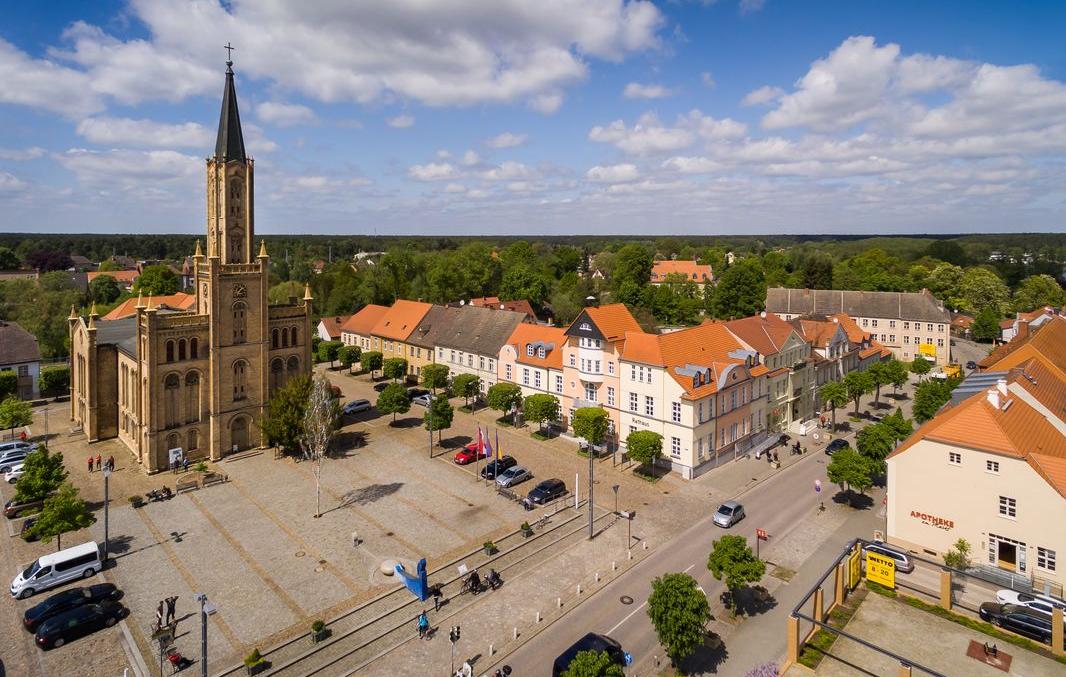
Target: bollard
515, 635
629, 554
538, 617
492, 650
597, 577
578, 588
645, 544
614, 566
558, 602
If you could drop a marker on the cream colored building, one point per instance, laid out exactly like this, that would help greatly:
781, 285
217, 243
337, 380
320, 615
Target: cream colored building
532, 358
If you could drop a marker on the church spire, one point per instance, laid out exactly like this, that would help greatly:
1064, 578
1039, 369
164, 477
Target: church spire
230, 143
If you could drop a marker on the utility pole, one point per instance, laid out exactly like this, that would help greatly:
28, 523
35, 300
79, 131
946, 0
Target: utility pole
107, 476
453, 636
590, 490
205, 609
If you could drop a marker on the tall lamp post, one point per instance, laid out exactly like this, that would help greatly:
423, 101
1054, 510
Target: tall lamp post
206, 608
107, 476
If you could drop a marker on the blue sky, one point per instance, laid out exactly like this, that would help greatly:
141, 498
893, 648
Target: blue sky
554, 117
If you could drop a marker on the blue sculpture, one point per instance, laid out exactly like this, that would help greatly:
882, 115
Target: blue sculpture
419, 584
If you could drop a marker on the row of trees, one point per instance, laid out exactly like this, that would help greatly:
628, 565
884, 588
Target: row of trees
857, 384
855, 469
45, 477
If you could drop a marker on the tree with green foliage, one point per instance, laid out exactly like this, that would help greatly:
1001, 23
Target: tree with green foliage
371, 361
54, 381
349, 355
897, 374
438, 416
631, 269
283, 292
981, 288
851, 470
394, 368
466, 386
541, 408
104, 289
985, 326
929, 397
14, 413
875, 442
157, 280
679, 612
871, 270
42, 473
943, 282
328, 351
591, 424
834, 394
524, 283
42, 309
959, 555
63, 512
920, 367
741, 292
816, 271
1038, 291
857, 383
434, 376
732, 560
593, 664
284, 421
9, 384
394, 400
9, 260
505, 397
644, 447
901, 427
879, 376
947, 250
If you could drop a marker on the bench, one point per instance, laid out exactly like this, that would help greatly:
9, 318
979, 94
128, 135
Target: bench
186, 484
213, 478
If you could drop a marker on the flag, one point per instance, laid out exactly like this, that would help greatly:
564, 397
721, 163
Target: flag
488, 447
480, 444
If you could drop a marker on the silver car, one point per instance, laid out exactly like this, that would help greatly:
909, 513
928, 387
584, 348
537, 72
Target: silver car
423, 400
514, 475
356, 406
1042, 603
728, 514
13, 458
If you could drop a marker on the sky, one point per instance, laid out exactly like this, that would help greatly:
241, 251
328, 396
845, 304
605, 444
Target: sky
551, 117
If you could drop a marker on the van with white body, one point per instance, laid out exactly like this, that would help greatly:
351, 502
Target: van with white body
81, 561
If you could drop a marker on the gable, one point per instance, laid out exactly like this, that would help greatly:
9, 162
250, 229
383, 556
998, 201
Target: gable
584, 327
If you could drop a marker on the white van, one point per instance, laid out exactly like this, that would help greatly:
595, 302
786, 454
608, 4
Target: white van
81, 561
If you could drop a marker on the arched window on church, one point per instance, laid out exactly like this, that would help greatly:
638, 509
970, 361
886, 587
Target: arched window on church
192, 397
293, 367
284, 338
274, 338
181, 349
170, 351
292, 338
236, 245
240, 380
277, 374
194, 440
173, 441
239, 322
194, 344
171, 385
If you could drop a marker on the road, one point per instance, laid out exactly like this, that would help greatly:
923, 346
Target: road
777, 505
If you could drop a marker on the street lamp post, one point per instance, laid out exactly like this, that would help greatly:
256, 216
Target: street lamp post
206, 608
614, 488
107, 476
591, 470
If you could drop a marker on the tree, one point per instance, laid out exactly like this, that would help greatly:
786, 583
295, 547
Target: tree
851, 471
644, 447
394, 368
593, 664
929, 397
590, 424
466, 386
435, 376
348, 356
982, 288
63, 512
857, 383
370, 361
283, 425
897, 374
1038, 291
817, 271
986, 325
157, 280
108, 266
14, 413
901, 427
54, 381
947, 250
45, 260
631, 267
741, 292
42, 473
879, 376
959, 555
504, 397
394, 400
9, 384
732, 560
835, 394
328, 351
679, 612
319, 427
522, 282
439, 415
943, 281
541, 408
875, 443
9, 260
104, 289
920, 366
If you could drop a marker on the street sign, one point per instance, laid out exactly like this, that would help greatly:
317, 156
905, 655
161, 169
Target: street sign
881, 569
761, 534
854, 569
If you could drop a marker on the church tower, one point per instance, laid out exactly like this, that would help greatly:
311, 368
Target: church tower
230, 215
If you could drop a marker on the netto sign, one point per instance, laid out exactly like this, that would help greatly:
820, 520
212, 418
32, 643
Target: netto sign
933, 520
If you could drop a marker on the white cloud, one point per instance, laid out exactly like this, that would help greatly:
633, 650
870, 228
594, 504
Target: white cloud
143, 173
284, 114
508, 171
650, 136
455, 188
636, 90
41, 83
613, 173
126, 132
506, 140
10, 184
470, 159
546, 103
692, 165
401, 121
749, 6
762, 95
20, 154
433, 171
708, 80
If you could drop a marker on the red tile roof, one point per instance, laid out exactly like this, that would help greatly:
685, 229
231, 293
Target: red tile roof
1046, 341
334, 324
401, 319
128, 308
613, 320
363, 322
692, 271
126, 277
554, 338
766, 332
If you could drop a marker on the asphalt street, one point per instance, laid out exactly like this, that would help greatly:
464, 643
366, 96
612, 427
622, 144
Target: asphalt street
776, 505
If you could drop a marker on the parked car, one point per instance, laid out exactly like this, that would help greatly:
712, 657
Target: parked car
48, 571
971, 365
356, 406
78, 622
422, 400
494, 468
1019, 619
835, 446
728, 514
25, 533
13, 509
590, 642
514, 475
13, 445
469, 454
416, 392
378, 387
13, 474
13, 458
1043, 603
67, 600
547, 491
904, 565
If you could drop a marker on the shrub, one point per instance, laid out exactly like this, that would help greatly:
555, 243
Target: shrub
253, 659
317, 626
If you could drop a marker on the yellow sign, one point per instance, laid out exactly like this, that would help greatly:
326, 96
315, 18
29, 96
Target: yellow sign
881, 569
854, 569
927, 349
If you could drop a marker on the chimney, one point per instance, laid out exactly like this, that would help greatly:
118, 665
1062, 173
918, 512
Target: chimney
763, 314
1001, 386
993, 397
1023, 328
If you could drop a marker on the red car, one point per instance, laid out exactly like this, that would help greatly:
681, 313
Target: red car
469, 454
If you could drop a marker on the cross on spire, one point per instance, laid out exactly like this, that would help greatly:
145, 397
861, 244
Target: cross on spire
229, 53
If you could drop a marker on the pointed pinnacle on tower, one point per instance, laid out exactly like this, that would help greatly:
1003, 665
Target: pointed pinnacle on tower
307, 293
92, 311
263, 249
140, 300
73, 313
199, 252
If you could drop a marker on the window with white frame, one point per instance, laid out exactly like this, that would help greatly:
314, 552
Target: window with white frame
891, 324
507, 372
530, 350
649, 405
558, 383
929, 328
1045, 559
873, 323
906, 325
954, 458
525, 376
610, 396
610, 368
536, 379
675, 412
675, 447
940, 343
992, 466
1008, 507
700, 410
451, 356
573, 360
633, 402
699, 447
481, 362
590, 392
541, 353
492, 364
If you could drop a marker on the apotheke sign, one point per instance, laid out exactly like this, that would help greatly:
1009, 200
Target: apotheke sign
933, 520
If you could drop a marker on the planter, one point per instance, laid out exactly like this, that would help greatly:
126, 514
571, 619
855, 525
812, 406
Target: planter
136, 501
490, 548
256, 668
320, 635
775, 464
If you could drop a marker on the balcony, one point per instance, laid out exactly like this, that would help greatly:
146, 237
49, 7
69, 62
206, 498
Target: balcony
590, 376
581, 403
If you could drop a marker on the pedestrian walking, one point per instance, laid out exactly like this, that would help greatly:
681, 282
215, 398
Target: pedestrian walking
90, 464
99, 461
159, 615
172, 602
185, 463
111, 463
355, 539
437, 595
423, 625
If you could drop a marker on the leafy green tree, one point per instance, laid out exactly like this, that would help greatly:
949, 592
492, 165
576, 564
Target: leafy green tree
644, 447
522, 282
283, 425
394, 368
981, 288
438, 416
590, 424
741, 292
959, 555
9, 384
897, 374
1038, 291
328, 351
63, 512
875, 443
42, 310
435, 376
349, 355
104, 289
466, 386
108, 266
920, 367
857, 383
943, 282
947, 250
929, 397
851, 470
541, 408
505, 397
985, 326
879, 375
394, 400
733, 561
157, 280
283, 292
679, 612
631, 267
14, 413
9, 260
901, 427
42, 473
593, 664
371, 361
834, 394
54, 381
871, 270
816, 272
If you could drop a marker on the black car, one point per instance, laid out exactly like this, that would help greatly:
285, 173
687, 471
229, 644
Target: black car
971, 365
835, 446
378, 387
547, 491
78, 622
1028, 622
67, 600
416, 392
494, 468
590, 642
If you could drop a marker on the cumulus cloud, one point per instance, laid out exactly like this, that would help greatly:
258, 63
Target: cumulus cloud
508, 171
546, 103
762, 95
10, 184
749, 6
636, 90
401, 121
126, 132
613, 173
20, 154
146, 174
506, 140
284, 114
433, 171
650, 136
470, 159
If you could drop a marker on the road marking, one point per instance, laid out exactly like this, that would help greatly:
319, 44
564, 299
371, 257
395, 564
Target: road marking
688, 569
621, 622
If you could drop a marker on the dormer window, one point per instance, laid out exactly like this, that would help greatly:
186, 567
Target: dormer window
529, 350
541, 353
585, 326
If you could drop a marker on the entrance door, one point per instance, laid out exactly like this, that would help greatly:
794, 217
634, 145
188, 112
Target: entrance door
1006, 555
239, 433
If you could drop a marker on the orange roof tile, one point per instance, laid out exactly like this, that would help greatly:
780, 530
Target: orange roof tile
128, 308
1046, 341
485, 301
363, 321
851, 328
613, 320
401, 319
692, 271
1043, 383
127, 277
817, 331
334, 324
527, 333
766, 332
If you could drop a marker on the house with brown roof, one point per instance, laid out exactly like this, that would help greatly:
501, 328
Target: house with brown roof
356, 329
128, 308
1011, 328
493, 302
664, 272
532, 358
329, 328
20, 354
834, 353
125, 278
389, 335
